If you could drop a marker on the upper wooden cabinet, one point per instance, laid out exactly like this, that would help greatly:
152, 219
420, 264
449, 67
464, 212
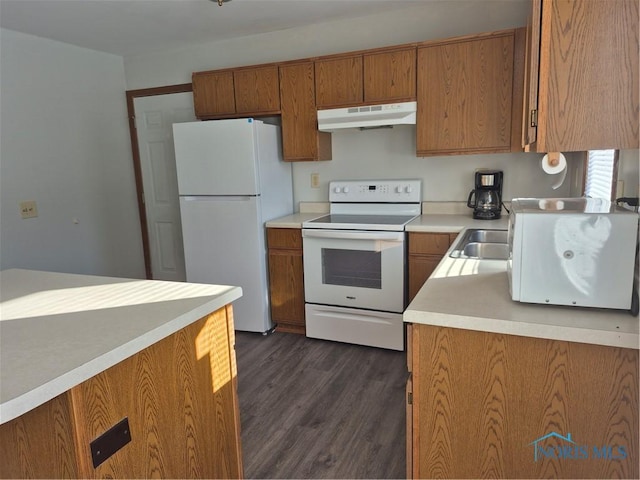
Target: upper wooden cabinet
213, 93
581, 89
390, 76
301, 140
243, 91
470, 94
339, 81
257, 90
382, 76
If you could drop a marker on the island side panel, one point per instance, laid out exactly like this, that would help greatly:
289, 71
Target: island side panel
179, 396
40, 443
481, 400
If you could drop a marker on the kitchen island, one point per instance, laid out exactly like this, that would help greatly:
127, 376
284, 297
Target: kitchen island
151, 362
504, 389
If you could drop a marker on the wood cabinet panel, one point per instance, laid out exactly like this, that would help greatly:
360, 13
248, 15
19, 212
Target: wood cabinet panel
339, 81
301, 140
588, 87
390, 76
286, 279
532, 65
466, 89
287, 296
284, 238
213, 93
492, 396
179, 396
40, 443
429, 243
257, 90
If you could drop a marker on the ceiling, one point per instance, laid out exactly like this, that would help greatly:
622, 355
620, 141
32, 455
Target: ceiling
132, 27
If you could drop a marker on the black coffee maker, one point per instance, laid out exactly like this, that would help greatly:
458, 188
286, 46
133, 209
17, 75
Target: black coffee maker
486, 198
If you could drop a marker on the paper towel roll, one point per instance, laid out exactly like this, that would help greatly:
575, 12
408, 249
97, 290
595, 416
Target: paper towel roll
555, 163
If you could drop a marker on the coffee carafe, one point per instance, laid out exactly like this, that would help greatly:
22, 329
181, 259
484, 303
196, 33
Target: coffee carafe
486, 198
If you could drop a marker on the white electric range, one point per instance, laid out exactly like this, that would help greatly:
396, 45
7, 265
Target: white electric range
354, 262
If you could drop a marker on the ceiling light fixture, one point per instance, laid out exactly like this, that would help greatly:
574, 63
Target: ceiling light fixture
220, 2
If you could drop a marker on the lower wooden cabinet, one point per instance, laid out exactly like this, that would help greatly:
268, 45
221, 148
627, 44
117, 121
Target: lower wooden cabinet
179, 396
487, 405
286, 279
425, 252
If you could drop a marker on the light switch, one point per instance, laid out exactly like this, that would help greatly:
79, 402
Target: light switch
28, 209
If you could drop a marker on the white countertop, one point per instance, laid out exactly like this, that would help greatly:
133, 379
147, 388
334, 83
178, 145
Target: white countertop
58, 330
424, 223
474, 295
453, 223
292, 221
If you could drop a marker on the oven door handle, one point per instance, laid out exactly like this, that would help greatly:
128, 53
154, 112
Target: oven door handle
354, 235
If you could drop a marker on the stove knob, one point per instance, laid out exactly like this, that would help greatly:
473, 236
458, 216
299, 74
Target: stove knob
408, 189
398, 189
345, 189
337, 190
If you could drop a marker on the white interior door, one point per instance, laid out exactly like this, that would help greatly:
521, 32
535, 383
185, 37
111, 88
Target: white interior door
155, 116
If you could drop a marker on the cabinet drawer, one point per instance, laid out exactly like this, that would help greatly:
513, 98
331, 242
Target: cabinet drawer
429, 243
285, 238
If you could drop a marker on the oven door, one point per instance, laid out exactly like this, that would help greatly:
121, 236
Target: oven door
358, 269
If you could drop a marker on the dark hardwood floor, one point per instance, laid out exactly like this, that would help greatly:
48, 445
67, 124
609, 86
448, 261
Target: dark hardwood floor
318, 409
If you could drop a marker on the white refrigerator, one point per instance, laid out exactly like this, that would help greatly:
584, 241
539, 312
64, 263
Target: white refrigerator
231, 180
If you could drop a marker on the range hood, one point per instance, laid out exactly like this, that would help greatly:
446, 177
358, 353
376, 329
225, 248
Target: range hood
367, 117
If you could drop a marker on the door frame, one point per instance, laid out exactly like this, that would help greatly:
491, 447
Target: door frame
137, 167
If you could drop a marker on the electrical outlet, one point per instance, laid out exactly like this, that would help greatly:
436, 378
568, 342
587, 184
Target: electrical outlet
28, 209
315, 180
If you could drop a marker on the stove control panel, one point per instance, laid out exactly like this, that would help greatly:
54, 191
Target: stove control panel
375, 191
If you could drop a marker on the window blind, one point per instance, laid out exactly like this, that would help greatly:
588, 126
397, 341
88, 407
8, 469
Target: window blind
599, 179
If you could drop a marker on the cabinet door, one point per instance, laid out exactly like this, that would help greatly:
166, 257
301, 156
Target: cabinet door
339, 81
492, 395
257, 90
420, 268
465, 96
425, 253
286, 286
286, 279
390, 76
588, 93
301, 140
530, 97
213, 94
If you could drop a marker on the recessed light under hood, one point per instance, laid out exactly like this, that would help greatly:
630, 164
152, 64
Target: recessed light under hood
367, 117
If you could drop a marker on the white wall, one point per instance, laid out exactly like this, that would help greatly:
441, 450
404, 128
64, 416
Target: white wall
65, 144
390, 153
429, 19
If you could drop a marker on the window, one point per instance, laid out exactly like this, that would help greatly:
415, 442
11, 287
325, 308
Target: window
600, 174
